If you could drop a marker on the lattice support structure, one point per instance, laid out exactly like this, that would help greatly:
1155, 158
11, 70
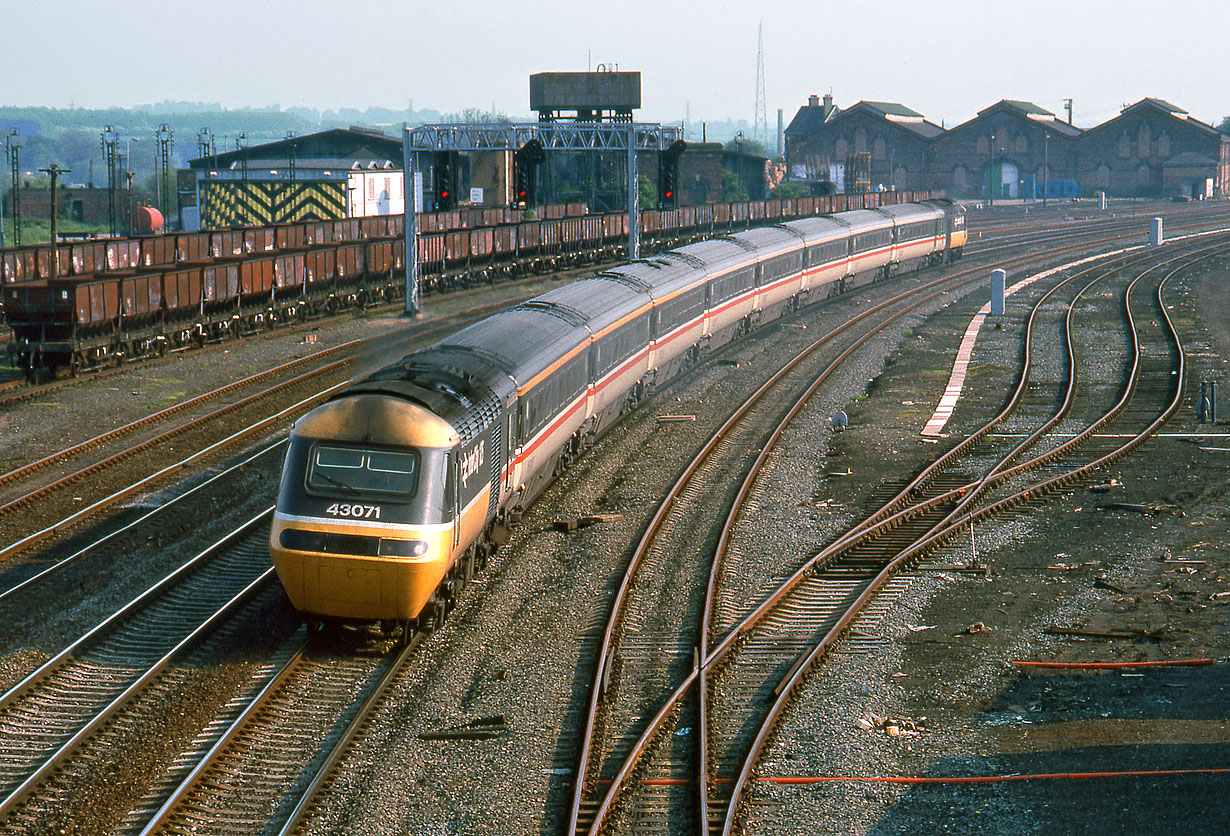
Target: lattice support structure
629, 137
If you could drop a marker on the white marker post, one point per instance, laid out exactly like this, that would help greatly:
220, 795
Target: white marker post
998, 278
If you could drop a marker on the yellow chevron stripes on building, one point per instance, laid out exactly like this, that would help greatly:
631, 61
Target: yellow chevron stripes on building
226, 203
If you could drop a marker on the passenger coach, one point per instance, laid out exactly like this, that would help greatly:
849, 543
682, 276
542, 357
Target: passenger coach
394, 492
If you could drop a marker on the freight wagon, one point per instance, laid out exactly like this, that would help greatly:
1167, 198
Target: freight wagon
128, 298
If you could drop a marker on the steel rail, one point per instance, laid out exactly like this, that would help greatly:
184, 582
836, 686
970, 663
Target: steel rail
166, 436
603, 656
138, 485
68, 655
665, 505
708, 661
298, 815
935, 537
76, 449
170, 503
702, 669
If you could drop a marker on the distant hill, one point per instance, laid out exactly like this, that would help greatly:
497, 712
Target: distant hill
71, 137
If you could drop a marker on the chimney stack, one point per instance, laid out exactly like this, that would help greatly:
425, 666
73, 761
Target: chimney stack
813, 101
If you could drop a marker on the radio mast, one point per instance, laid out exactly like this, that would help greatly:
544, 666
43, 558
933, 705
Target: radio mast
760, 125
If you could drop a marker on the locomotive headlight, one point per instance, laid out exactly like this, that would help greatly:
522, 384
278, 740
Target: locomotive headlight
403, 548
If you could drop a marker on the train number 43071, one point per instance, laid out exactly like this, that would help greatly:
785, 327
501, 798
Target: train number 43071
343, 509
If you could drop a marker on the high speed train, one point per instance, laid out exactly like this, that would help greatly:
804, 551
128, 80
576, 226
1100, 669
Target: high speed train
394, 491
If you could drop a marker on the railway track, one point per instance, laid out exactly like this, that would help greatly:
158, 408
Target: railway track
93, 479
999, 240
290, 794
30, 513
63, 719
763, 658
264, 769
676, 525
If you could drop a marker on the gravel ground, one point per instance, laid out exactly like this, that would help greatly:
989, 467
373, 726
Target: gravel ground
1075, 563
512, 648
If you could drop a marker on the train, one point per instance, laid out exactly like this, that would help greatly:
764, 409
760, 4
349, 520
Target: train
396, 490
121, 299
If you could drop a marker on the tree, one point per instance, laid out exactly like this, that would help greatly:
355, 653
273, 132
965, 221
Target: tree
648, 192
732, 189
1224, 125
791, 189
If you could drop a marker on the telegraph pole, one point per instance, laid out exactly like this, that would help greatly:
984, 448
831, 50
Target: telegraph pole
109, 137
204, 144
12, 149
55, 171
165, 142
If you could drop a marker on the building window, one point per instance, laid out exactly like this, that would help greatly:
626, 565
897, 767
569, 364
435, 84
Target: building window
860, 141
1142, 176
981, 146
841, 148
371, 188
1103, 176
1022, 144
960, 178
878, 149
1163, 146
1144, 138
1125, 146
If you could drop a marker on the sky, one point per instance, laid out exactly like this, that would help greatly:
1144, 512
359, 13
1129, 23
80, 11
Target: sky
697, 60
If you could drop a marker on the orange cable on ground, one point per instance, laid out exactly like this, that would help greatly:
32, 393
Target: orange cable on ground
1172, 663
992, 779
953, 779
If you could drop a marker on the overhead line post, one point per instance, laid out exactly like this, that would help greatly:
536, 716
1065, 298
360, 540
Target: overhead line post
634, 202
410, 208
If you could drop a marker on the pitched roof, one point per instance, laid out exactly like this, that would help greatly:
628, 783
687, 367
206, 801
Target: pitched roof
1028, 107
1163, 108
1029, 110
1164, 105
897, 114
807, 120
339, 144
892, 109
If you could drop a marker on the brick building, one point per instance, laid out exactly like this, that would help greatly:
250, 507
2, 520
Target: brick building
87, 205
1154, 148
1016, 149
1009, 150
897, 138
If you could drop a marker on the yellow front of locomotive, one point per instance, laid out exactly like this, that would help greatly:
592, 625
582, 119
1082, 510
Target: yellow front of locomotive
364, 526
